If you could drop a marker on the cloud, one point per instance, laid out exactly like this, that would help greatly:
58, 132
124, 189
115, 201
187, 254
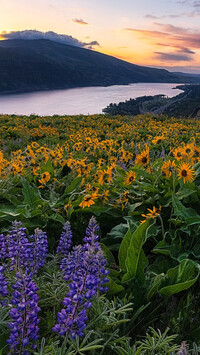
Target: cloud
147, 32
80, 21
179, 48
170, 35
154, 17
50, 35
173, 57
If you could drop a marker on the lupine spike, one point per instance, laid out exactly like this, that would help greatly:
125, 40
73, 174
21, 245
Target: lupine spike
65, 240
40, 249
3, 287
24, 324
84, 268
19, 247
3, 247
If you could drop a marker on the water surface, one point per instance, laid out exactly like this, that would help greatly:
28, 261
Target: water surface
89, 100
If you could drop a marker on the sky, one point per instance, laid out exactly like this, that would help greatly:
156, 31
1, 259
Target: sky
156, 33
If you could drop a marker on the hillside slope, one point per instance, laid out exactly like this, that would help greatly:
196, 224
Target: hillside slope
30, 65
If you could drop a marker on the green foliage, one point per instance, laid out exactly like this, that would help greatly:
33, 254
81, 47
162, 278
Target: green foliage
157, 343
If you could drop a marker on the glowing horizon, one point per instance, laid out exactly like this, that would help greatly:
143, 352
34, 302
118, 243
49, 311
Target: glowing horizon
150, 33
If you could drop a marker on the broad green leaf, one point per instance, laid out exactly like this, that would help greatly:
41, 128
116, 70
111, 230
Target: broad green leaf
114, 288
181, 211
155, 283
135, 259
74, 185
8, 210
180, 277
31, 196
182, 193
57, 218
108, 254
123, 250
47, 167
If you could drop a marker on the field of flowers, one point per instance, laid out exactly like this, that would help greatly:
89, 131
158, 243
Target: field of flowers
99, 235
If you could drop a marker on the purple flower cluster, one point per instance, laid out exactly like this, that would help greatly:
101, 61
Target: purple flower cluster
40, 249
24, 325
3, 287
24, 257
65, 240
21, 257
84, 269
19, 247
3, 247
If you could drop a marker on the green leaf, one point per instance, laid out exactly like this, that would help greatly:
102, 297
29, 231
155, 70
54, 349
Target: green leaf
74, 185
31, 195
180, 277
136, 260
57, 218
48, 166
8, 210
155, 283
108, 254
181, 211
123, 250
114, 288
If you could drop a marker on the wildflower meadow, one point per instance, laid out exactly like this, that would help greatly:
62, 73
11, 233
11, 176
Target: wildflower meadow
99, 235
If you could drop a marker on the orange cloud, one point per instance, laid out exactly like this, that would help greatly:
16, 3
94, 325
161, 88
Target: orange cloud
79, 21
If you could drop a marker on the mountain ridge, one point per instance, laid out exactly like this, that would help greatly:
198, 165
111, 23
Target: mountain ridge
41, 64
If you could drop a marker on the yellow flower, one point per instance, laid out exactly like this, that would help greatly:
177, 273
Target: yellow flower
168, 167
186, 172
158, 140
130, 177
104, 197
89, 200
178, 153
143, 157
68, 206
45, 178
152, 213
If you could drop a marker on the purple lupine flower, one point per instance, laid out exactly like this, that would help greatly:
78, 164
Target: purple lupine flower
19, 247
92, 237
162, 154
24, 324
65, 240
84, 268
3, 247
39, 250
3, 287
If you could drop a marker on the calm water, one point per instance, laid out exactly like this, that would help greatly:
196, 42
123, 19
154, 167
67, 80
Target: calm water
88, 100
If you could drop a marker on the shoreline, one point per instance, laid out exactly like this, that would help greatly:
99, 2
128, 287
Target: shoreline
19, 92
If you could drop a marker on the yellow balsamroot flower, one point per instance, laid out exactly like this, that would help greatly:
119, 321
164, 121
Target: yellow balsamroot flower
45, 178
89, 200
168, 167
130, 177
158, 140
68, 206
104, 197
152, 213
143, 157
186, 172
178, 153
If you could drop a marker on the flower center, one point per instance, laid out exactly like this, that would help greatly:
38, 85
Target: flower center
184, 173
144, 160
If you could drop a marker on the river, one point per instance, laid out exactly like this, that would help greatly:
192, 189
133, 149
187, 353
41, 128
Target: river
88, 100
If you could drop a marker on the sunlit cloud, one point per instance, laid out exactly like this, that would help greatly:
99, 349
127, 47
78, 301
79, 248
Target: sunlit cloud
173, 57
147, 33
80, 21
50, 35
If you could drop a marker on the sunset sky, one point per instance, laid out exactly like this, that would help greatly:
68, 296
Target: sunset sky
157, 33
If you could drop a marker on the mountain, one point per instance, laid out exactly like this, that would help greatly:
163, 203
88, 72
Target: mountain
31, 65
